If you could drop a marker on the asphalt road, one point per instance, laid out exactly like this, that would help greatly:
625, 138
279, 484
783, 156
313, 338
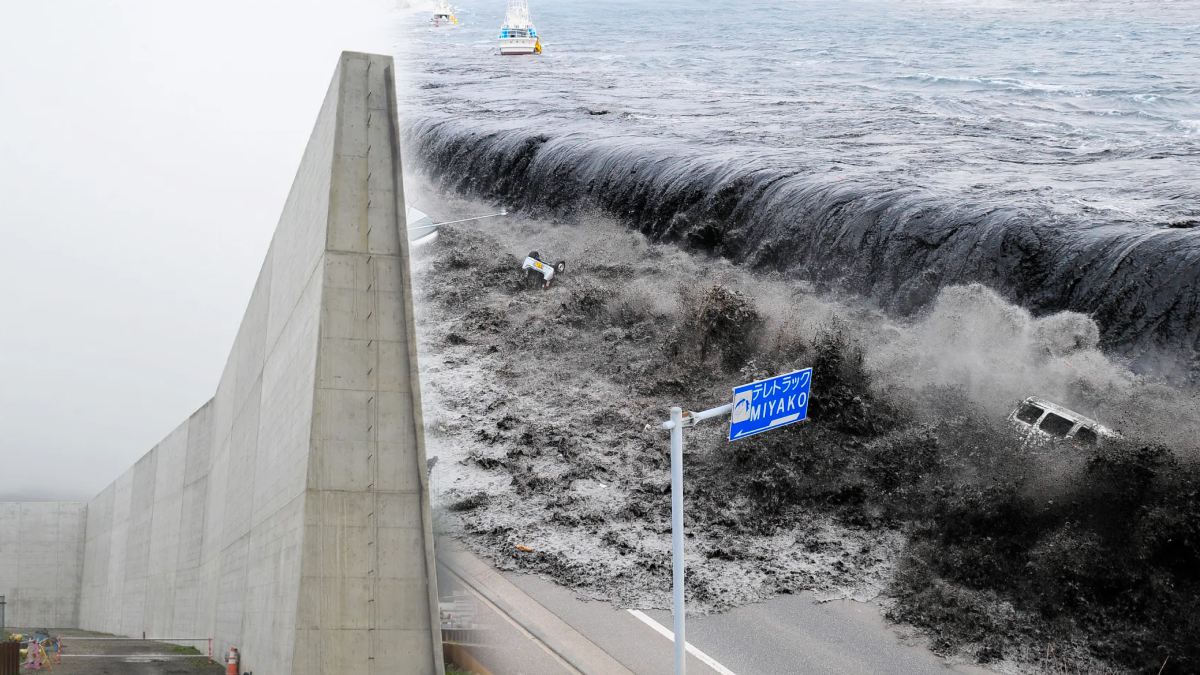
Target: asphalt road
788, 634
533, 626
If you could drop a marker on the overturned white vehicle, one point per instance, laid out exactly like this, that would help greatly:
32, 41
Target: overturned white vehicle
534, 264
1042, 420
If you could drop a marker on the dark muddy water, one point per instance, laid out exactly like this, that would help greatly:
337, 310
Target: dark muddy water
1048, 149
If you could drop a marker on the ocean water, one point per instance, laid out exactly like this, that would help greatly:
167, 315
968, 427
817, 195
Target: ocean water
1050, 150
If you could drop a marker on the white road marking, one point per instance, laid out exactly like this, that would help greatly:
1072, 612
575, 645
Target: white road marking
670, 635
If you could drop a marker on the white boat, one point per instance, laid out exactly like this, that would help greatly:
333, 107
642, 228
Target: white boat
422, 230
443, 14
518, 36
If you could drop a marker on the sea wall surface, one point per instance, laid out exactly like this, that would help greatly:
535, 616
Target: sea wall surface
41, 562
289, 515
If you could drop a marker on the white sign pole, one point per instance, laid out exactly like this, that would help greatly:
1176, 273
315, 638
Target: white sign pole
784, 399
676, 425
677, 537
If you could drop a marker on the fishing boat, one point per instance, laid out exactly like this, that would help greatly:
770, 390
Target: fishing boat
443, 14
518, 36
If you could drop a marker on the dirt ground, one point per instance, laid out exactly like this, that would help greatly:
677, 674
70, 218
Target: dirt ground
134, 657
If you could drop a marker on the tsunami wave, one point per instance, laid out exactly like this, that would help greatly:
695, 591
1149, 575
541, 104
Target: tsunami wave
898, 244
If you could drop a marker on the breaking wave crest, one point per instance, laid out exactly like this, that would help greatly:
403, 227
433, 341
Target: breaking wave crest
899, 244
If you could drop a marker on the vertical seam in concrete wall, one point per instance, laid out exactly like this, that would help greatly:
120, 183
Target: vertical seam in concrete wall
373, 464
205, 621
149, 547
415, 370
82, 567
82, 548
249, 535
149, 550
372, 460
132, 563
57, 545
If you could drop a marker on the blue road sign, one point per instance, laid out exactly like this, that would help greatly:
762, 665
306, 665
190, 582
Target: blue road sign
770, 404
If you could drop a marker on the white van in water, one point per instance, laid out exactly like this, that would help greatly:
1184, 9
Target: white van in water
1039, 418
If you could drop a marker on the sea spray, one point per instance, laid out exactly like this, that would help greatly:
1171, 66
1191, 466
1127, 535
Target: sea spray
899, 245
541, 395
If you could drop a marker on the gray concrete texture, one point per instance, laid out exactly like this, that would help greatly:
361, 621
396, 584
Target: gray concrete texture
41, 562
289, 516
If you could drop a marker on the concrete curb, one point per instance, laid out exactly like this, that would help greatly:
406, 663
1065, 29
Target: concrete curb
554, 634
462, 657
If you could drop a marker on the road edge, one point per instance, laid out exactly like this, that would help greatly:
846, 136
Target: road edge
554, 634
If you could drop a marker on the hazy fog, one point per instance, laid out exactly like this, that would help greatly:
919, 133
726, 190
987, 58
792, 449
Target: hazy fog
146, 148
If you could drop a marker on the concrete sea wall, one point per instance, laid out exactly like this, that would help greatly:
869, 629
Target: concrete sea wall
41, 562
289, 515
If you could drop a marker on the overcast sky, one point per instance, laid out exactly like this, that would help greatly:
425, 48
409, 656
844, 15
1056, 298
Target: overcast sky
146, 148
